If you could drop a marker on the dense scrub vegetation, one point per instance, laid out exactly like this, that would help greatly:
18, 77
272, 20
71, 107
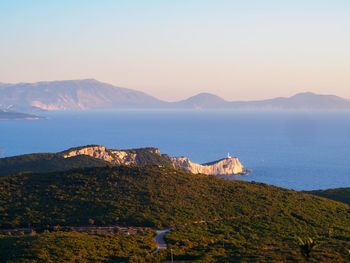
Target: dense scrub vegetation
150, 196
148, 156
46, 162
76, 247
258, 239
216, 220
337, 194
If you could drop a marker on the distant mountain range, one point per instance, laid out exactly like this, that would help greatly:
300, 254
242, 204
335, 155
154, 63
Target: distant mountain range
92, 94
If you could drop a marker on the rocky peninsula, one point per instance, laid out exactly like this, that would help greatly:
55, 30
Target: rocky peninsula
144, 156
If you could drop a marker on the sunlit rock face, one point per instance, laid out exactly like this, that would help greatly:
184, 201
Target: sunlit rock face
101, 152
226, 166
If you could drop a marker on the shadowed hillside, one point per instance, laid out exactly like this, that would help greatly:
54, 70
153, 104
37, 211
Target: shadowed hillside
337, 194
46, 162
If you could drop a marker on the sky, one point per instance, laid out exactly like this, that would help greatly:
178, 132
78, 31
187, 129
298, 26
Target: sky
239, 50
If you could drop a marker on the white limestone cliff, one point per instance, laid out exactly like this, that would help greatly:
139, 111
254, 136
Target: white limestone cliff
226, 166
101, 152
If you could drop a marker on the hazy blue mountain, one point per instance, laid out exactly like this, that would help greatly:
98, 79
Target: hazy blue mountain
92, 94
202, 101
12, 115
72, 95
300, 101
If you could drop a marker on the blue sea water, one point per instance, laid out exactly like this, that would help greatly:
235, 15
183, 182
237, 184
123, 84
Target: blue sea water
297, 150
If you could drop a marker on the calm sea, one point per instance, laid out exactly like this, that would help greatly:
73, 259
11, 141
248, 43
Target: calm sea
298, 150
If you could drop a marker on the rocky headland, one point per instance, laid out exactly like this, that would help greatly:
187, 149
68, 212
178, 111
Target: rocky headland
225, 166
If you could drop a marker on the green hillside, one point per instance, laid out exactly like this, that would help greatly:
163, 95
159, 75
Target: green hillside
337, 194
148, 196
216, 220
258, 239
46, 162
76, 247
148, 156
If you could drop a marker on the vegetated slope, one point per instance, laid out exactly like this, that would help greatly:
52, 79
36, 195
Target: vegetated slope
216, 220
259, 239
46, 162
76, 247
150, 156
337, 194
150, 196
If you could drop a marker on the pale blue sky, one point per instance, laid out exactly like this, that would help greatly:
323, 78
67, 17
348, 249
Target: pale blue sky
249, 49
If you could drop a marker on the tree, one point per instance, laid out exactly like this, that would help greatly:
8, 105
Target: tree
306, 247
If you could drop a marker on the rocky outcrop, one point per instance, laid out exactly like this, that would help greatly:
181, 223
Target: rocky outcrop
100, 152
226, 166
152, 156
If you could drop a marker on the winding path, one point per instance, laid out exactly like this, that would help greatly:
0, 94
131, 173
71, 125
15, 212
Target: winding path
159, 238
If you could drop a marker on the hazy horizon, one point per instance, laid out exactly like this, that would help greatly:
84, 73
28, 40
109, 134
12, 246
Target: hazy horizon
249, 50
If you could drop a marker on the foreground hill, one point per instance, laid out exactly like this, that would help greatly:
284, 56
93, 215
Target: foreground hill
149, 196
257, 239
76, 247
215, 220
92, 94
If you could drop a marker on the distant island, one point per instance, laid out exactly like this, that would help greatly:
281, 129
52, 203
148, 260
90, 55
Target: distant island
12, 115
92, 94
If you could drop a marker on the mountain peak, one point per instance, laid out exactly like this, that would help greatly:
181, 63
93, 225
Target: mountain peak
205, 95
305, 94
92, 80
203, 100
